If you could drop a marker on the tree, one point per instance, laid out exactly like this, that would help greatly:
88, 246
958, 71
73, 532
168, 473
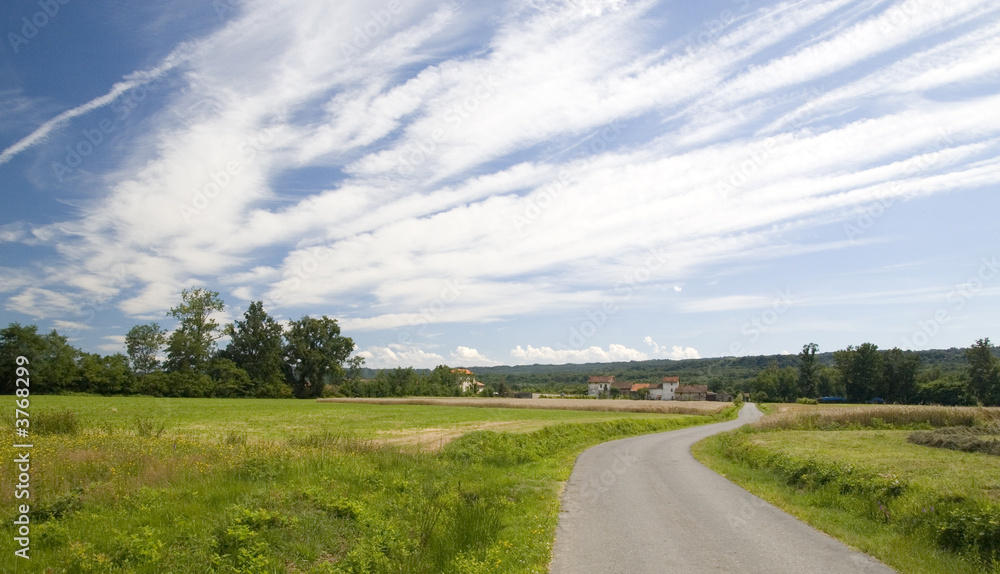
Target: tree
776, 384
808, 370
945, 390
861, 372
229, 380
190, 346
17, 340
829, 383
984, 372
109, 375
315, 353
143, 344
503, 390
256, 347
899, 375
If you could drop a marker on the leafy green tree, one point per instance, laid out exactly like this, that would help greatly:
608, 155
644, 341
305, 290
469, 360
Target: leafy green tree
229, 380
143, 344
829, 383
945, 390
191, 345
106, 375
808, 370
18, 340
256, 347
861, 372
899, 375
776, 384
187, 383
504, 391
443, 382
984, 372
315, 353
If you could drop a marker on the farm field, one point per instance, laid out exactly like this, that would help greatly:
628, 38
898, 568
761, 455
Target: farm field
192, 485
606, 405
917, 508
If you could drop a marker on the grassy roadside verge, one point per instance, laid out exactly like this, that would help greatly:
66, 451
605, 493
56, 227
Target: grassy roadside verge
918, 509
143, 499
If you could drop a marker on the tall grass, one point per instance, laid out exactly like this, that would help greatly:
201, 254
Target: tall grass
887, 416
47, 422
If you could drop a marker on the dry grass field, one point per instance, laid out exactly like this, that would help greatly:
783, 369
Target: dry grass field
795, 416
606, 405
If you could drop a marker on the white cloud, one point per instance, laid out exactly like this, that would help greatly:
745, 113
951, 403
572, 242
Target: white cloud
468, 357
593, 354
504, 166
676, 352
396, 355
116, 344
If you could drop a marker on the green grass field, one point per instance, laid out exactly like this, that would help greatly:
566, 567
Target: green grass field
918, 509
196, 485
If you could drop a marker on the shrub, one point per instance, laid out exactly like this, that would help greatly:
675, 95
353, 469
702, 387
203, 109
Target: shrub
55, 422
806, 401
147, 428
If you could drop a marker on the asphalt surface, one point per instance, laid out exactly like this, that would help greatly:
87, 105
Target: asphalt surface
644, 504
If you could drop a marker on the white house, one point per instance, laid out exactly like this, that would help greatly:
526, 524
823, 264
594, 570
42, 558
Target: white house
596, 385
467, 380
664, 390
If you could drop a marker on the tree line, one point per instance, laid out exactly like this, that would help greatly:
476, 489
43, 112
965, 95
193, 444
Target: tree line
865, 373
263, 358
305, 358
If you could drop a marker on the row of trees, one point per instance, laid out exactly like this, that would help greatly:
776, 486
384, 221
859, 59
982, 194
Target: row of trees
263, 359
864, 372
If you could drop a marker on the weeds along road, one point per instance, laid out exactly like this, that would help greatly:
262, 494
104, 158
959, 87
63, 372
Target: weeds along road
644, 504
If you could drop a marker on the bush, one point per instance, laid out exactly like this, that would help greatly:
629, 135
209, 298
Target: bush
55, 422
806, 401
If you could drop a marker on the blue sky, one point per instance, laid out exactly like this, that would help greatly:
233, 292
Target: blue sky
535, 181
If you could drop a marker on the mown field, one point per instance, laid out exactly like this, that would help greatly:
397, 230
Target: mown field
853, 473
213, 485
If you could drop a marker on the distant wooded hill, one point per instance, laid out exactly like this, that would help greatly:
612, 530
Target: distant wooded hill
718, 373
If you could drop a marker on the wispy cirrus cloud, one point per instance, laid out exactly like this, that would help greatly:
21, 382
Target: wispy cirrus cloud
538, 159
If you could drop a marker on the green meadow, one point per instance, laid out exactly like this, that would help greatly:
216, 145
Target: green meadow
215, 485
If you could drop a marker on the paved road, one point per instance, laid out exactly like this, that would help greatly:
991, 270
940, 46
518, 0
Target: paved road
644, 504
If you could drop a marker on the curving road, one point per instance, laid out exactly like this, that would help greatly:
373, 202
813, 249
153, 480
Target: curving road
644, 504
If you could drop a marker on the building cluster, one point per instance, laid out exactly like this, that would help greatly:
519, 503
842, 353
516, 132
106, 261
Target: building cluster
668, 389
